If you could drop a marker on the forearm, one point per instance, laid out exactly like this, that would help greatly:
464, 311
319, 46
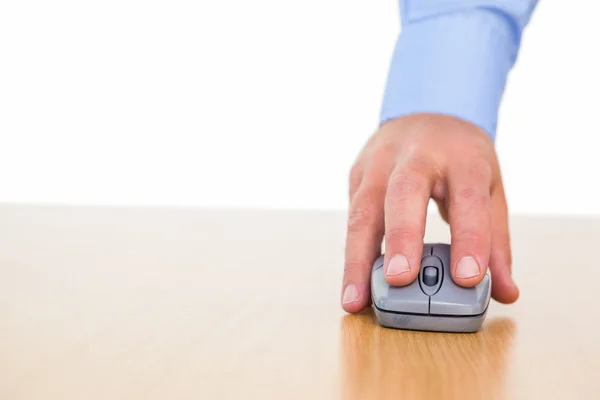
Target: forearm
453, 58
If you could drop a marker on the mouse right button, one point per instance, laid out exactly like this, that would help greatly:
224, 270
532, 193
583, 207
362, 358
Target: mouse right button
452, 299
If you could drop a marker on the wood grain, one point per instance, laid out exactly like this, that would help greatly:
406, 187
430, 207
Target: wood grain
126, 303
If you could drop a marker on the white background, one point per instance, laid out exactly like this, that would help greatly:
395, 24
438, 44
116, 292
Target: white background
260, 103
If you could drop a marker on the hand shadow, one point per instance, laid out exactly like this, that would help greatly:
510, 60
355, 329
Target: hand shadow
381, 363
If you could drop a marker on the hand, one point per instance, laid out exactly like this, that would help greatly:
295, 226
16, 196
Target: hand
404, 164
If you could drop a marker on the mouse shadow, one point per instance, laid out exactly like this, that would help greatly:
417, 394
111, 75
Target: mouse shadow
382, 363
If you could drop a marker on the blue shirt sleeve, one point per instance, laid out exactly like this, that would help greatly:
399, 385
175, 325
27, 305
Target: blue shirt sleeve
453, 57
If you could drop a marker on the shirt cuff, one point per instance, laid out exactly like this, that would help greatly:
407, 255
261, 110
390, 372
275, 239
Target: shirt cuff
454, 64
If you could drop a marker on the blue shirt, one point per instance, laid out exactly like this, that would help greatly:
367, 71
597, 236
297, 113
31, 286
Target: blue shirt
453, 57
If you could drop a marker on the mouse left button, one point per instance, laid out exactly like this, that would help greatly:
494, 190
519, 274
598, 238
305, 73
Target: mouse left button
378, 263
404, 299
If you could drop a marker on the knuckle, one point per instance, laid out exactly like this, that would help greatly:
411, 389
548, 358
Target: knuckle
360, 217
482, 168
468, 238
408, 233
353, 269
382, 151
412, 174
366, 208
418, 162
467, 193
471, 197
405, 183
474, 167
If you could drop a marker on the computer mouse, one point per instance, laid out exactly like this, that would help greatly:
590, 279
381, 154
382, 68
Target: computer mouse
433, 302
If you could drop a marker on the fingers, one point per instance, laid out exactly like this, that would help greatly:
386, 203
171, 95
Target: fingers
469, 211
504, 289
406, 202
363, 243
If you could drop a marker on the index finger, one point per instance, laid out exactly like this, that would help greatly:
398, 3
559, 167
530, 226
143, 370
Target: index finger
406, 204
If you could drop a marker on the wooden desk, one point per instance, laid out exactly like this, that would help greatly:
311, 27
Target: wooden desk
100, 303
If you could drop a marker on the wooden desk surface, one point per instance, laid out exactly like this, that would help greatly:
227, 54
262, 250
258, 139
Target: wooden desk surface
100, 303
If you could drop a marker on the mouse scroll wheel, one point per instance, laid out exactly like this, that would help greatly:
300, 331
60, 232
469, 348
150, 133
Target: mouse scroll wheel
430, 276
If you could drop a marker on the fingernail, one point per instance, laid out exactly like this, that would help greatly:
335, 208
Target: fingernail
467, 268
350, 294
398, 265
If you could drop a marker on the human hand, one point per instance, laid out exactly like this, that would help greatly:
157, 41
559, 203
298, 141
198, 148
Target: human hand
405, 163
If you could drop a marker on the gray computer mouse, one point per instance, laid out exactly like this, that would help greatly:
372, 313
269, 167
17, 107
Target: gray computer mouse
433, 302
